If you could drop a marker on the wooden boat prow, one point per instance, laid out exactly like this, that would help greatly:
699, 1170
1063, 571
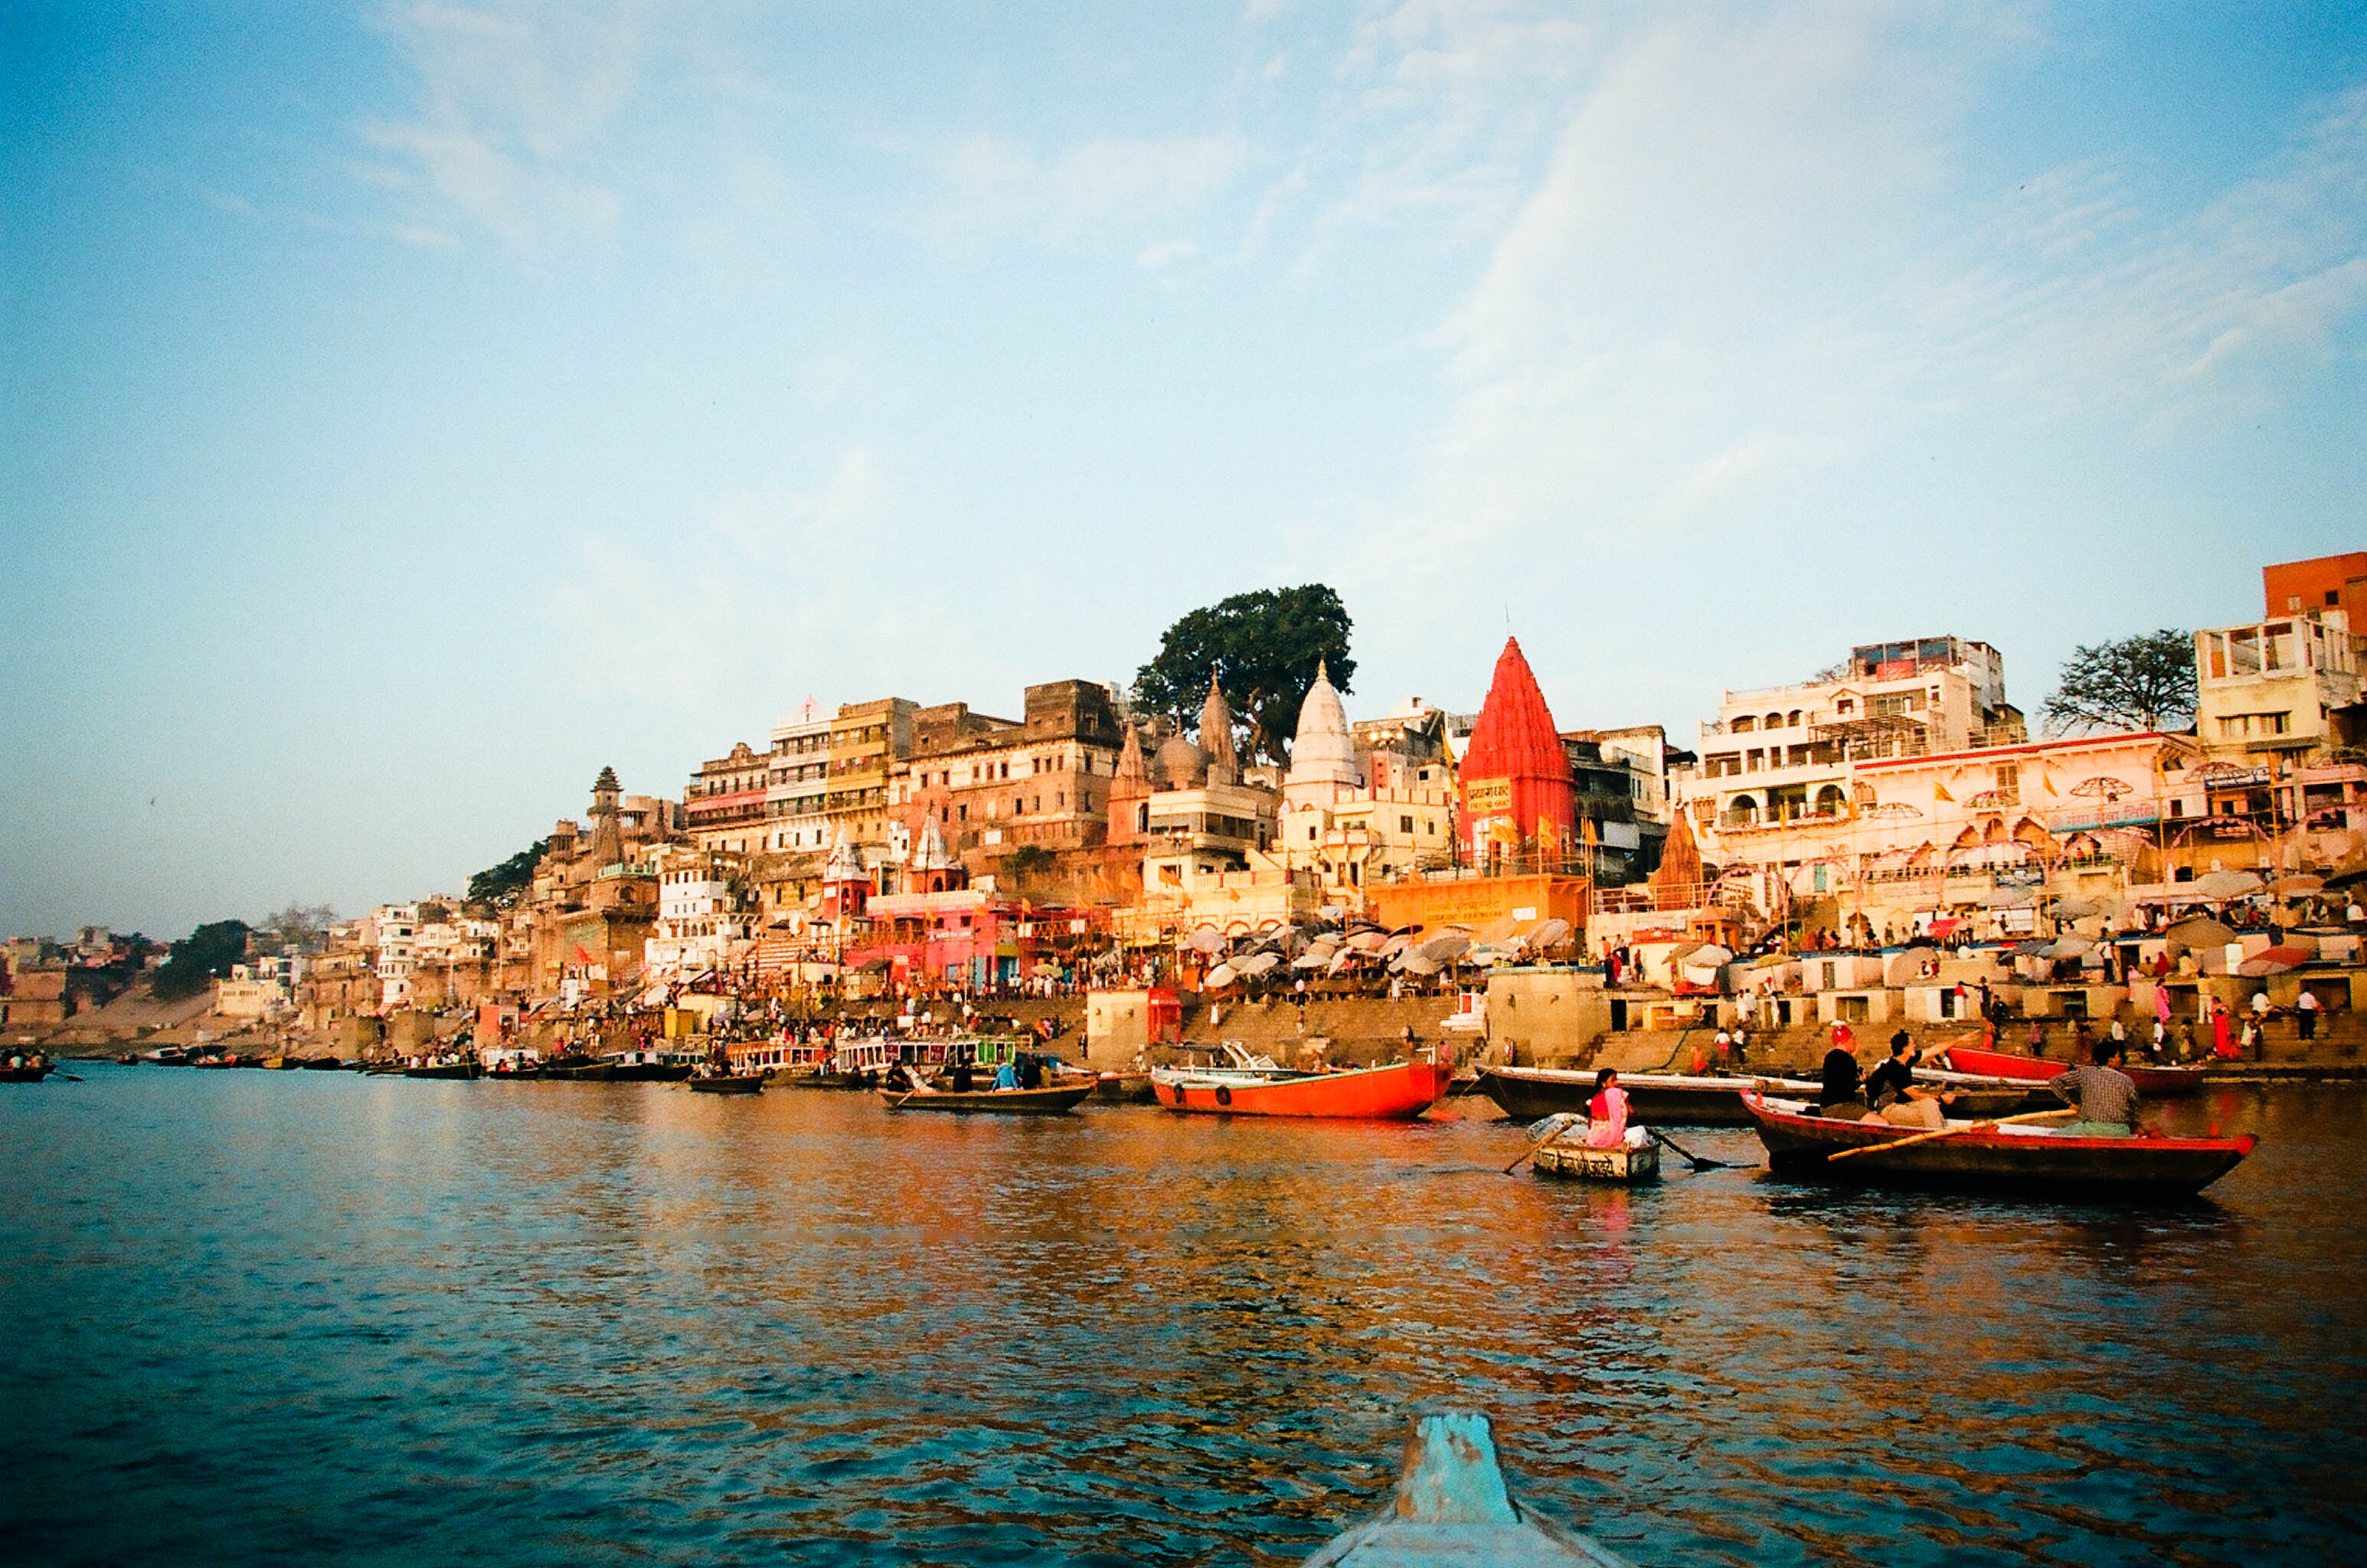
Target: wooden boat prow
1452, 1507
2151, 1078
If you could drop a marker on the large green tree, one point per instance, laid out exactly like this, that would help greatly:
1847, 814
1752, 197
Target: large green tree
1264, 649
499, 887
201, 958
2136, 683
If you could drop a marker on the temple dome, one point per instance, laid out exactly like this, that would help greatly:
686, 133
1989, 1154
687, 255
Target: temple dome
1324, 750
1178, 765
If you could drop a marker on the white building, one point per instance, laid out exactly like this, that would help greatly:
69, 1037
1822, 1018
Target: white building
796, 780
2276, 689
1356, 817
699, 926
393, 930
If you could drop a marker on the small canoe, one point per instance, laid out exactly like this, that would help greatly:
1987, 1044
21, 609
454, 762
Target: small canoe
1668, 1100
1452, 1506
1397, 1092
993, 1101
2026, 1157
446, 1070
1576, 1161
732, 1083
2159, 1082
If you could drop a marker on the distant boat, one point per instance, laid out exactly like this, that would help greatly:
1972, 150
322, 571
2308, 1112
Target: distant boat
1669, 1099
2158, 1081
1052, 1102
34, 1073
1452, 1506
2023, 1157
1396, 1092
728, 1083
467, 1067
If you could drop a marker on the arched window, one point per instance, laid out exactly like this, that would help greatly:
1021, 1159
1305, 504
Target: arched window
1793, 717
1742, 811
1743, 725
1773, 721
1830, 801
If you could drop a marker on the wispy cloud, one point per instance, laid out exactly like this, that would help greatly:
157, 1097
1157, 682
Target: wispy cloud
515, 99
1099, 195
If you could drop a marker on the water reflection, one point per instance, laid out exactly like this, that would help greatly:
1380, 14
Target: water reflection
296, 1314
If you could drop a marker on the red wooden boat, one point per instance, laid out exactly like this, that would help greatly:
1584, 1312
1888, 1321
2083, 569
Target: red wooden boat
2159, 1082
1397, 1092
1801, 1143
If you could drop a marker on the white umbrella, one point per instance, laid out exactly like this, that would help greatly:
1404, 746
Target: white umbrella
1207, 939
1341, 960
1259, 963
1412, 962
2220, 884
2070, 947
1312, 959
1223, 974
1393, 946
1447, 945
2072, 906
1548, 934
1374, 942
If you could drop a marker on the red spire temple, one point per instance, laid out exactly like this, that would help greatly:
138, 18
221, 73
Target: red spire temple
1517, 802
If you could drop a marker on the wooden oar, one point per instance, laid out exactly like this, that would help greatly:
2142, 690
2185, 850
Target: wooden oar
1697, 1161
1952, 1132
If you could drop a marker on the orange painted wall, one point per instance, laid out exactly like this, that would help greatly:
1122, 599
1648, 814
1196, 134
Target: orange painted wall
2300, 586
1477, 901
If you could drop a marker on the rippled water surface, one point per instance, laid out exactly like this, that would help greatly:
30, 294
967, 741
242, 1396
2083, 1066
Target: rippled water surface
260, 1317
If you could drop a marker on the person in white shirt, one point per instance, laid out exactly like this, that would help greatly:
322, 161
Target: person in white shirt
2306, 1007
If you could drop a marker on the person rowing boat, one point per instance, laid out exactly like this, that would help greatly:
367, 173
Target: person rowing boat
1606, 1116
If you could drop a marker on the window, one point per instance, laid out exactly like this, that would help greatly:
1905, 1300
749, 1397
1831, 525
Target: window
1743, 725
1754, 760
1405, 824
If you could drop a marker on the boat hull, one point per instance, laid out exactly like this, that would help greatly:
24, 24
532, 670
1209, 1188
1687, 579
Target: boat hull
23, 1075
1577, 1162
1398, 1093
752, 1083
1528, 1094
2035, 1162
2159, 1082
449, 1070
1053, 1102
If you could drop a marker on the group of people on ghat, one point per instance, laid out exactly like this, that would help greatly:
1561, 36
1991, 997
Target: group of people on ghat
2104, 1098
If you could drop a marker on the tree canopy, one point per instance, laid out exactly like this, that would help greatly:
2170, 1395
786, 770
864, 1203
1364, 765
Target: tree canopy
204, 955
2137, 682
499, 887
1264, 649
298, 928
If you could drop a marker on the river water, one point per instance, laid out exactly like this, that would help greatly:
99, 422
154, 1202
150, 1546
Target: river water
261, 1317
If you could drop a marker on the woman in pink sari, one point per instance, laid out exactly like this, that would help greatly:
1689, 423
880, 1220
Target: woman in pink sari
1606, 1114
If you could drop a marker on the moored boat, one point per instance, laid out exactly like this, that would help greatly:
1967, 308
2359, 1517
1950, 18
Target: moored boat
466, 1067
32, 1072
1980, 1154
1399, 1091
1452, 1505
728, 1083
2162, 1082
1670, 1099
1050, 1101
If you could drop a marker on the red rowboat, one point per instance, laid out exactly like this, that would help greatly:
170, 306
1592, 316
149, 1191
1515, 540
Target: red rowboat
1398, 1093
1800, 1142
2159, 1082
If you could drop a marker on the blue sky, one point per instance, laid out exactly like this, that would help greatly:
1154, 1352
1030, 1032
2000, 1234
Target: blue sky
409, 408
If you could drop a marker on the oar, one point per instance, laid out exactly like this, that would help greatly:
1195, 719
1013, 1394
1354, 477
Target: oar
1541, 1143
1696, 1161
1952, 1132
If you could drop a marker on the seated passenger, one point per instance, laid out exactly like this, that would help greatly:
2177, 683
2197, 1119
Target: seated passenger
2105, 1097
1606, 1116
1890, 1089
1006, 1077
1840, 1096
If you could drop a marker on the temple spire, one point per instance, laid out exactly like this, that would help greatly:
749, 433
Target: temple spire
1216, 736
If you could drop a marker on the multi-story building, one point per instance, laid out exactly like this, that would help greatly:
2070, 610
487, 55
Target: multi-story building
2327, 583
700, 925
993, 786
796, 782
1186, 806
866, 740
725, 801
388, 931
2280, 689
1783, 753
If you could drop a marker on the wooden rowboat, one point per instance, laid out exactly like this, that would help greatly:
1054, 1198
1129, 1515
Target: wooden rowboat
2159, 1082
24, 1075
1452, 1506
471, 1068
730, 1083
2025, 1158
1053, 1102
1397, 1092
1619, 1163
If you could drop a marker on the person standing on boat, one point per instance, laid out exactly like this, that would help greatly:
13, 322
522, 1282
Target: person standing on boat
1606, 1116
2222, 1030
2105, 1097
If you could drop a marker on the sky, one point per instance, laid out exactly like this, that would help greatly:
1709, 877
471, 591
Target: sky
412, 408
